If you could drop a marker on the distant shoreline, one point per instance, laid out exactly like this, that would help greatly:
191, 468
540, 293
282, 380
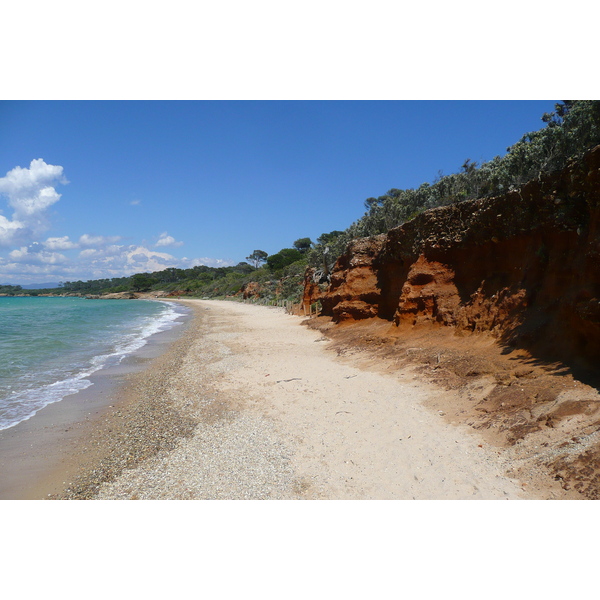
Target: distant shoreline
112, 296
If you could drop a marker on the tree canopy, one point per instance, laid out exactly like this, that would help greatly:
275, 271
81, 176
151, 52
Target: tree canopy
303, 244
283, 258
10, 290
142, 281
257, 258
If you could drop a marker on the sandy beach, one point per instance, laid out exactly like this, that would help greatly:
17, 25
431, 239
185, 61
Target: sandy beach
251, 404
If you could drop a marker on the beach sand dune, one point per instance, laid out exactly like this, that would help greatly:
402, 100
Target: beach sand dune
278, 415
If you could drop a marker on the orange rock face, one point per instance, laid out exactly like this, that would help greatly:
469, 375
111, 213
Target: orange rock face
251, 290
354, 291
524, 266
429, 295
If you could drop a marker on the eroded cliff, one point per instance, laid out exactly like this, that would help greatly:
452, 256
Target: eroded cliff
497, 299
524, 266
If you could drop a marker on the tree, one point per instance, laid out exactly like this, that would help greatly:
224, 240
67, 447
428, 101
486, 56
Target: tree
328, 238
142, 281
303, 244
257, 258
243, 267
283, 258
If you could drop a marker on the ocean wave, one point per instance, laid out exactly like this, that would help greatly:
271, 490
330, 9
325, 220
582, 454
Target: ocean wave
124, 345
24, 403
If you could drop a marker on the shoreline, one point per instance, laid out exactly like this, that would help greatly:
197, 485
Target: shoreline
267, 411
39, 455
249, 403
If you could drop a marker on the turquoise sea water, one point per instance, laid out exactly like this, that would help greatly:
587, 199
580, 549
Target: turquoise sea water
50, 346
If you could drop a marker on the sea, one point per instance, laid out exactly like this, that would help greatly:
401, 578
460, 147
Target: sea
49, 347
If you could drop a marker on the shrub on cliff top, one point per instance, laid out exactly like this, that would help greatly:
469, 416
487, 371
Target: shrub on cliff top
572, 129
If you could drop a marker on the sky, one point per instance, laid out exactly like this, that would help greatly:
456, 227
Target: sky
99, 189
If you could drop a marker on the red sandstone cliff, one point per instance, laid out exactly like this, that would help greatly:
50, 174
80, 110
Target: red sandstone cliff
524, 266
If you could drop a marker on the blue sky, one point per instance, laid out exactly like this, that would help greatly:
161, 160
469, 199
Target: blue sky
141, 185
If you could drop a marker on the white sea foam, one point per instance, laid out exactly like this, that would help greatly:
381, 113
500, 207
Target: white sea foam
125, 345
149, 327
24, 405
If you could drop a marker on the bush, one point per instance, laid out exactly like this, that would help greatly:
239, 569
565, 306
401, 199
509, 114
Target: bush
283, 258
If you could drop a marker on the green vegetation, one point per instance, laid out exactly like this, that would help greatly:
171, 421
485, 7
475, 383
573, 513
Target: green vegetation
10, 290
281, 278
142, 282
569, 131
283, 258
257, 258
95, 286
303, 244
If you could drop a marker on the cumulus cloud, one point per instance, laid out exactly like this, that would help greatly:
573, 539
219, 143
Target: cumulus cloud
97, 240
88, 253
166, 240
36, 255
9, 230
150, 260
102, 253
93, 263
30, 194
20, 272
188, 263
60, 243
122, 260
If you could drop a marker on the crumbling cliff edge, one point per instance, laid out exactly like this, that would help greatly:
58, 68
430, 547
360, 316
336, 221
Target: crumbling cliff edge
501, 284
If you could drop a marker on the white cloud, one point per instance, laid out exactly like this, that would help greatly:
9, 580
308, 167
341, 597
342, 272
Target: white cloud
60, 243
112, 250
97, 240
89, 252
34, 261
36, 255
9, 230
120, 261
30, 194
188, 263
167, 240
135, 202
139, 256
103, 252
16, 272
